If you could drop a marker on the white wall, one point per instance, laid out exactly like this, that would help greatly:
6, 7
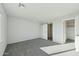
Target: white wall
77, 33
22, 29
76, 25
45, 31
3, 30
59, 31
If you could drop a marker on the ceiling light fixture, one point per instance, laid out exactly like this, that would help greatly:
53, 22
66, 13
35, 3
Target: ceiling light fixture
21, 5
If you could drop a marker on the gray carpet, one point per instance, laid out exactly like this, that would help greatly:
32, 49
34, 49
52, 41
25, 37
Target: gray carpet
70, 41
28, 48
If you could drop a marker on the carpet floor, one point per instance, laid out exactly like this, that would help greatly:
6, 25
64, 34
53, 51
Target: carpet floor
28, 48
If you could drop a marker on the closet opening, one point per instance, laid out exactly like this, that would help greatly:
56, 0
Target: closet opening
70, 31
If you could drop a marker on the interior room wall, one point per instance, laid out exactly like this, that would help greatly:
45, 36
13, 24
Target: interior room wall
77, 33
3, 30
22, 30
44, 31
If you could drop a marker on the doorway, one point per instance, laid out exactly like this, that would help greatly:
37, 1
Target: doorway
50, 32
70, 31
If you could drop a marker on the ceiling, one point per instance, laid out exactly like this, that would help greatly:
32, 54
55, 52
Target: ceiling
42, 12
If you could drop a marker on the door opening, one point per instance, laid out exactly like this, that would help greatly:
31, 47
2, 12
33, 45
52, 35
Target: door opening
50, 32
70, 31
